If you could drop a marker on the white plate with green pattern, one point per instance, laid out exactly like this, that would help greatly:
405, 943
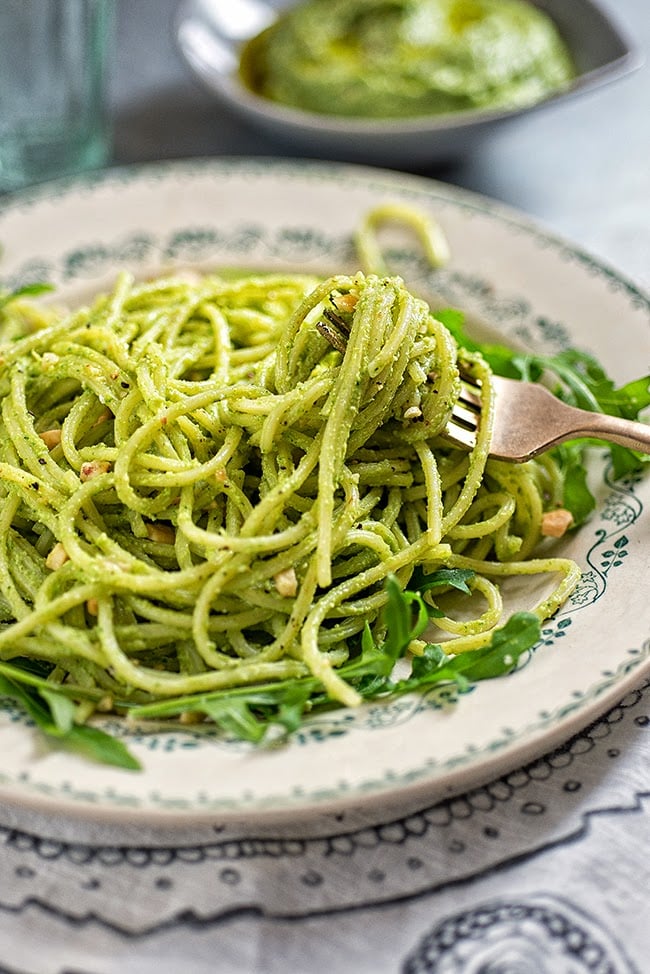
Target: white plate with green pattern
505, 271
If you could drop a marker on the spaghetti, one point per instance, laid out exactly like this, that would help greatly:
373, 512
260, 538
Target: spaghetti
206, 482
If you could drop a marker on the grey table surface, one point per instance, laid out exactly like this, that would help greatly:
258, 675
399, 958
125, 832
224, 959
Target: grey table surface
547, 869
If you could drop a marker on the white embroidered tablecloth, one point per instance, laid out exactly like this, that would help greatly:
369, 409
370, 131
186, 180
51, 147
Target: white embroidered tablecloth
545, 870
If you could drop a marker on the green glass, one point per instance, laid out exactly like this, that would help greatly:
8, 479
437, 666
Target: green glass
53, 70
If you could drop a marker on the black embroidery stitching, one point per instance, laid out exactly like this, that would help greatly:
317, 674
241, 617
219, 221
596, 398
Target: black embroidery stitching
190, 919
598, 731
563, 923
344, 843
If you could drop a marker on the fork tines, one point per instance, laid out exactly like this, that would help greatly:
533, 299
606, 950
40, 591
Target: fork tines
465, 416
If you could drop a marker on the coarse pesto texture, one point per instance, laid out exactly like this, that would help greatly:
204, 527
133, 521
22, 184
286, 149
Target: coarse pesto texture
396, 58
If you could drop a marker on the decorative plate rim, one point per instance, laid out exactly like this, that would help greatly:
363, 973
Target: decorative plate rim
476, 767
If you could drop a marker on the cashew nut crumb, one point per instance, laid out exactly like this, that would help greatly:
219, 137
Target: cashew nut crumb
556, 523
49, 360
57, 557
162, 533
413, 412
345, 302
286, 582
93, 468
51, 438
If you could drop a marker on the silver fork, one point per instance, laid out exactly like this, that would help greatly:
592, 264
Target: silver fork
529, 419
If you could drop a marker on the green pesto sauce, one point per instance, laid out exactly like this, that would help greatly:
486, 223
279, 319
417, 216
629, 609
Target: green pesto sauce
396, 58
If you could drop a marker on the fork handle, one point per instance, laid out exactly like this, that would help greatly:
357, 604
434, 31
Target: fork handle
625, 432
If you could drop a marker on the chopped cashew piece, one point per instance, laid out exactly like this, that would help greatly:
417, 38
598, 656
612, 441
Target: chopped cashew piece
556, 523
413, 412
286, 582
93, 468
51, 438
345, 302
162, 533
57, 557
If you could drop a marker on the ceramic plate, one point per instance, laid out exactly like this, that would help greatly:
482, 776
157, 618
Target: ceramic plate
508, 274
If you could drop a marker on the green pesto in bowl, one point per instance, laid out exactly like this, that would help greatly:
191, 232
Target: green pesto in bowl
397, 58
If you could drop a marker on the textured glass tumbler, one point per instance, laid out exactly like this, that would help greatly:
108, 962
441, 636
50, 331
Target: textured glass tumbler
53, 66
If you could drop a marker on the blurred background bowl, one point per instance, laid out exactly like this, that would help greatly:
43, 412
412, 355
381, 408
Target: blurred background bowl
211, 34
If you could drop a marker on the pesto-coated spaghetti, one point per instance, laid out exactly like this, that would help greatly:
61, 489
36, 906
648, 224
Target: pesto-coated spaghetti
200, 492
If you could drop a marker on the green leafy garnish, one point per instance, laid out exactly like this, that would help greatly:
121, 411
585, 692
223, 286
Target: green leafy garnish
249, 713
442, 578
53, 712
26, 291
